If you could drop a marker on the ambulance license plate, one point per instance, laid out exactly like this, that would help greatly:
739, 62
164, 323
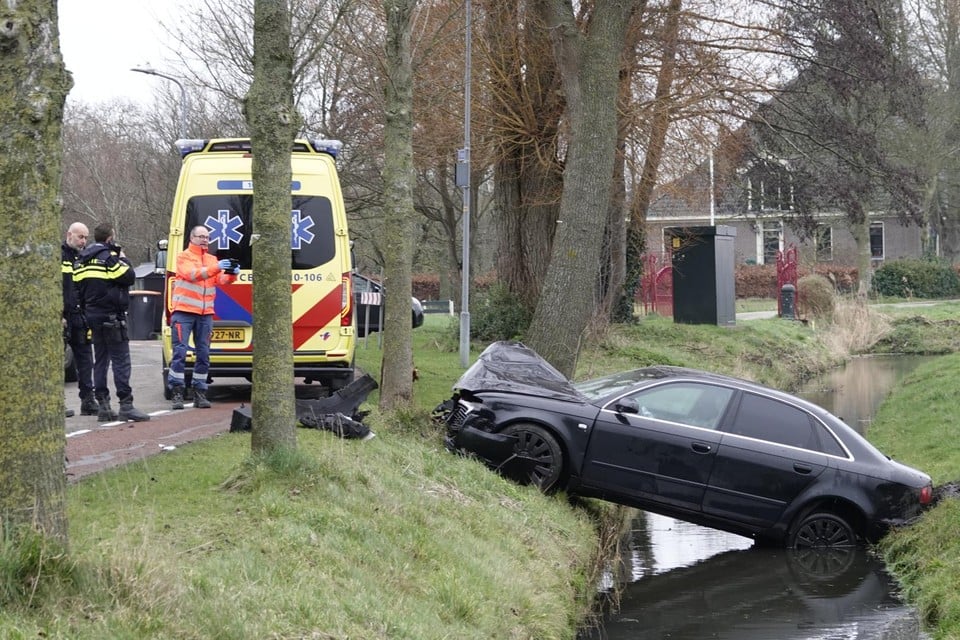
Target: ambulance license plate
228, 335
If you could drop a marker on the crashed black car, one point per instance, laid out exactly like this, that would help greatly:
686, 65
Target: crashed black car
709, 449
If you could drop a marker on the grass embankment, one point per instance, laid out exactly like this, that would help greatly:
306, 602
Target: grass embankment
918, 425
389, 538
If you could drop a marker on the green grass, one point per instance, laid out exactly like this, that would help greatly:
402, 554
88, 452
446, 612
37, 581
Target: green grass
917, 425
395, 537
390, 538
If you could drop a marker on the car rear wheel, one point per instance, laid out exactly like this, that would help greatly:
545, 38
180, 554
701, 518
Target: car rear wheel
537, 456
822, 531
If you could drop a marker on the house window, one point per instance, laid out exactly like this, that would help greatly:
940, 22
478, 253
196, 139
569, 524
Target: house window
824, 239
772, 241
768, 188
876, 240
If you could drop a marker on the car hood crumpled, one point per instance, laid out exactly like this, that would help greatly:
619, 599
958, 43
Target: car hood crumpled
515, 368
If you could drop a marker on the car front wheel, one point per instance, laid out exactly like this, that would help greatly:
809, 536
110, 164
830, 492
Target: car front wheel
537, 457
822, 531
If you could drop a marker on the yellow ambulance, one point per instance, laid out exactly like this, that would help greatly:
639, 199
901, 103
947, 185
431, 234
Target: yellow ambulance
216, 190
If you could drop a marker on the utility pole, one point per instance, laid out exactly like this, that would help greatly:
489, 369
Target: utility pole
463, 181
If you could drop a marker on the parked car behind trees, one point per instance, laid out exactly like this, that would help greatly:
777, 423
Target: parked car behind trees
368, 297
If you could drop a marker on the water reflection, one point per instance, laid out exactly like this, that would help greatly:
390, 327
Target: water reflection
756, 593
854, 392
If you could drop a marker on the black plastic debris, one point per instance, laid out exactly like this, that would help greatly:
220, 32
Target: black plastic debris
338, 413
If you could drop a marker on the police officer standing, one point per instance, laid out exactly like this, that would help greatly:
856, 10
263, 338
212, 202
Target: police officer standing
74, 326
103, 275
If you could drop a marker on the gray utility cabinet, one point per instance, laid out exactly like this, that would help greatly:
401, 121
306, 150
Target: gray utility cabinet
703, 274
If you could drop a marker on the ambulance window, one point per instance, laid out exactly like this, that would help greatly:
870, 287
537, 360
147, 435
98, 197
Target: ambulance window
313, 240
230, 220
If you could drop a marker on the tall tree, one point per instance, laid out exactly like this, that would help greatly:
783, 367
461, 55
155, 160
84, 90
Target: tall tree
836, 124
936, 26
273, 123
398, 179
33, 89
522, 105
588, 50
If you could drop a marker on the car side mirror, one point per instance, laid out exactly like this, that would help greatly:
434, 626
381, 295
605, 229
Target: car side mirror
626, 405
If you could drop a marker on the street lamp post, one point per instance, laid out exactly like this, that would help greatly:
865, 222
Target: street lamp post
463, 181
183, 94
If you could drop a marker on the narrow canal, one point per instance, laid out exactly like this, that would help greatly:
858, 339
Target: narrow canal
684, 582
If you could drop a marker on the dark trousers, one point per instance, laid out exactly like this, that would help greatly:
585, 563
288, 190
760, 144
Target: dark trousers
110, 348
82, 353
182, 325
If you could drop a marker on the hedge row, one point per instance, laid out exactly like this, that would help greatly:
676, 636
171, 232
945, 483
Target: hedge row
916, 278
760, 281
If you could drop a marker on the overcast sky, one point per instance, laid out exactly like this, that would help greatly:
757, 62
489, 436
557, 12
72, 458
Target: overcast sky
101, 40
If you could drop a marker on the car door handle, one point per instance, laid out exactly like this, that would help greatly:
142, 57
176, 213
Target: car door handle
700, 447
799, 468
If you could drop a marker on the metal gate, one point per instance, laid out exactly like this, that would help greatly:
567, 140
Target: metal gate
656, 285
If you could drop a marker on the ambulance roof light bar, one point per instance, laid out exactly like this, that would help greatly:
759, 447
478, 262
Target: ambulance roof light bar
187, 146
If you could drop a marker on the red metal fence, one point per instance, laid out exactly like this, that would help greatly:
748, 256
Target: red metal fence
656, 285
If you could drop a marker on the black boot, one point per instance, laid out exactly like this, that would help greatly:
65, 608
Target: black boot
200, 399
130, 412
104, 412
89, 406
176, 398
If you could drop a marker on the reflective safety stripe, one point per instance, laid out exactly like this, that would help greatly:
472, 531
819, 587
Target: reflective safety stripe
100, 271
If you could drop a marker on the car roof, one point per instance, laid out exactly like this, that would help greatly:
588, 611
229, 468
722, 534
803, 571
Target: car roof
659, 372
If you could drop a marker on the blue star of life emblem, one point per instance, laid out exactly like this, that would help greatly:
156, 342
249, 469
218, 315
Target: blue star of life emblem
224, 229
300, 229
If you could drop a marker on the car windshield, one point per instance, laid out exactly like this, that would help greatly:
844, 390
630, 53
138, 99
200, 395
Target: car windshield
616, 383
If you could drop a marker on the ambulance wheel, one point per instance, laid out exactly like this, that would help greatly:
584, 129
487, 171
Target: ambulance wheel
167, 392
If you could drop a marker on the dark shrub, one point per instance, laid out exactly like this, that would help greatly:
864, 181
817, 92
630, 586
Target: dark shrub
497, 314
913, 278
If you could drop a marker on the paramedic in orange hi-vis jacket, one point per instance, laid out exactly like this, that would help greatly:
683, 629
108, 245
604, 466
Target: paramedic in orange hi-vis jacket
194, 290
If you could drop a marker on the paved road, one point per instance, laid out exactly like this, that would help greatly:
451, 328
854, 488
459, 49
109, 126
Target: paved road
93, 446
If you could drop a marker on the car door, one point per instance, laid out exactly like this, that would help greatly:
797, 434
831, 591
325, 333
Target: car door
657, 444
768, 455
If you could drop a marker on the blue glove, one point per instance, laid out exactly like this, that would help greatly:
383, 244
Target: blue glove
234, 271
224, 264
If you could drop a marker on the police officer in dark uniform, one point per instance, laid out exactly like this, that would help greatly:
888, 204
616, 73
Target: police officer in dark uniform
74, 326
103, 275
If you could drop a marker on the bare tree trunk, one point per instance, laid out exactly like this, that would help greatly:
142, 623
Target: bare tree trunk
33, 86
654, 154
273, 124
525, 107
589, 64
861, 237
613, 273
398, 178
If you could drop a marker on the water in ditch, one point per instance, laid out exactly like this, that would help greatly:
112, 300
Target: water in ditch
681, 581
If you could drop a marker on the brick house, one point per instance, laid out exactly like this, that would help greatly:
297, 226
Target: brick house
756, 198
